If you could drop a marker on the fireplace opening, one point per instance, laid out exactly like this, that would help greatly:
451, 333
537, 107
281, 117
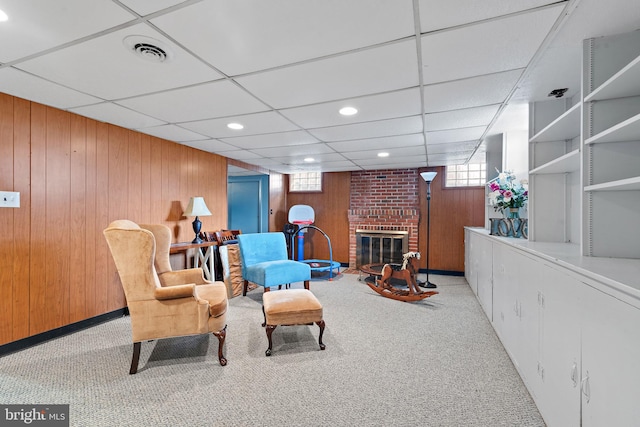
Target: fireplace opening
380, 247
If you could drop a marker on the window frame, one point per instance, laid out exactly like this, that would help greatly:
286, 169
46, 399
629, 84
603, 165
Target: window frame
292, 179
481, 180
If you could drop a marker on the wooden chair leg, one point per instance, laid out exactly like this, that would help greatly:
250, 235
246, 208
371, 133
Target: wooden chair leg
136, 358
270, 329
306, 284
221, 337
245, 285
321, 325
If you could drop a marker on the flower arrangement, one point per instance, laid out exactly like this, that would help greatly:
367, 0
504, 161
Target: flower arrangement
507, 193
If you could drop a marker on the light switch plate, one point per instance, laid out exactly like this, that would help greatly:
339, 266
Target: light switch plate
9, 199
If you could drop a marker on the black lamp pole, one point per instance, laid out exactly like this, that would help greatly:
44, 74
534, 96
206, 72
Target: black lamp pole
428, 177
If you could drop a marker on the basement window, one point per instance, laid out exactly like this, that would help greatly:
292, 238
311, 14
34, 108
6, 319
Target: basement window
469, 175
305, 182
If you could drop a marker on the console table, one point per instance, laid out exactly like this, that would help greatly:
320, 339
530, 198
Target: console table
204, 256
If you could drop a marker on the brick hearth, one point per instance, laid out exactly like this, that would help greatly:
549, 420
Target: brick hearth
384, 200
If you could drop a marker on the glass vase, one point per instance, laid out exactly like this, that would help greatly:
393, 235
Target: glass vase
513, 213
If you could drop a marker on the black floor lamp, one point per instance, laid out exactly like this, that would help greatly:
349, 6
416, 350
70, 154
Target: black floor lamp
428, 177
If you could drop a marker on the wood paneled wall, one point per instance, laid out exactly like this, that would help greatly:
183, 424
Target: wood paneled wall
331, 208
76, 175
451, 210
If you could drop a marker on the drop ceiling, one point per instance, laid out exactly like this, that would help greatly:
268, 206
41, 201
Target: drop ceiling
431, 79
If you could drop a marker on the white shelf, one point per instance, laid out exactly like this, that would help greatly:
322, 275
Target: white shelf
625, 82
570, 162
628, 184
567, 126
629, 130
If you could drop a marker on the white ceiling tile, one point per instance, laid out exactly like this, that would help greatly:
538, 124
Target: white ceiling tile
394, 153
378, 143
117, 115
172, 133
208, 100
266, 122
298, 159
398, 163
455, 135
37, 25
451, 147
467, 117
271, 140
23, 85
456, 157
244, 155
472, 92
375, 107
338, 166
232, 35
294, 150
405, 125
339, 77
104, 67
491, 46
514, 117
436, 14
209, 145
145, 7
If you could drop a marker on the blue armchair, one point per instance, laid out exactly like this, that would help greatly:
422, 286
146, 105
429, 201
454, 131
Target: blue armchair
265, 262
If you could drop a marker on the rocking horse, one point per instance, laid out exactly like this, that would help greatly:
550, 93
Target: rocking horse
407, 273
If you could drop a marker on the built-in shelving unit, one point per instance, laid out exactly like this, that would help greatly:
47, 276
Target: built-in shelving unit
567, 126
554, 170
570, 162
628, 130
611, 135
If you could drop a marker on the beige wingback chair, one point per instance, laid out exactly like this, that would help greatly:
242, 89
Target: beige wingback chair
167, 276
159, 311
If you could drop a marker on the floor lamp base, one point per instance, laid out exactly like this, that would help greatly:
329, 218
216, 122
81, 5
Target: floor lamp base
426, 284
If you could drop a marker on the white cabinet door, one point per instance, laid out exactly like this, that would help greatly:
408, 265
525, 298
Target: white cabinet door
485, 276
528, 311
610, 361
559, 362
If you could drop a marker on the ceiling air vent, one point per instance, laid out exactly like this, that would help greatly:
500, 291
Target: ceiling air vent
148, 49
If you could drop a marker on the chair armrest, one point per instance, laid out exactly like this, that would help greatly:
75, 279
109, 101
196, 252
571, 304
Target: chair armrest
179, 277
174, 292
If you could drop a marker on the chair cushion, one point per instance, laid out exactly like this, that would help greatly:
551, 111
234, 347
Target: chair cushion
291, 307
216, 295
274, 273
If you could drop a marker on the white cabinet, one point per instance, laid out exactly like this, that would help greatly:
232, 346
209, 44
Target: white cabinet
572, 332
610, 361
611, 134
559, 361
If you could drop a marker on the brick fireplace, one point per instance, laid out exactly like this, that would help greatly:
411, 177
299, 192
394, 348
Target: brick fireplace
384, 200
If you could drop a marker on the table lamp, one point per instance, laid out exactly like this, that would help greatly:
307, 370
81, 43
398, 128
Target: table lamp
197, 207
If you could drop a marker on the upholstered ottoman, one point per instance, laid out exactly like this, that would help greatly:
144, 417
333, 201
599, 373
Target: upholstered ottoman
291, 307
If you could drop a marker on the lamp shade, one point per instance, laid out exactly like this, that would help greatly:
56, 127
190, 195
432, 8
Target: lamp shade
197, 207
428, 176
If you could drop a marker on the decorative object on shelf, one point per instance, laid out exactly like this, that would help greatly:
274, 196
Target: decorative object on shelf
509, 227
508, 195
428, 177
197, 207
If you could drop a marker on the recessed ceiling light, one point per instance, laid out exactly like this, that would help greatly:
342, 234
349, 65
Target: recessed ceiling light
348, 111
309, 159
235, 126
3, 16
383, 154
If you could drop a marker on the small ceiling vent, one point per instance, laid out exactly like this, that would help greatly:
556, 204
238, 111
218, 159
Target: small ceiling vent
149, 49
558, 93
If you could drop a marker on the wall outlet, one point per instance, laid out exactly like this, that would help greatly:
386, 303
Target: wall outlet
9, 199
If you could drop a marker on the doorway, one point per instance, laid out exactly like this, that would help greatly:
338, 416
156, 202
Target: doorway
248, 202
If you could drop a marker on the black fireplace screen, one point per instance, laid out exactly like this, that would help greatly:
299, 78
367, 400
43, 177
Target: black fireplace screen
380, 247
